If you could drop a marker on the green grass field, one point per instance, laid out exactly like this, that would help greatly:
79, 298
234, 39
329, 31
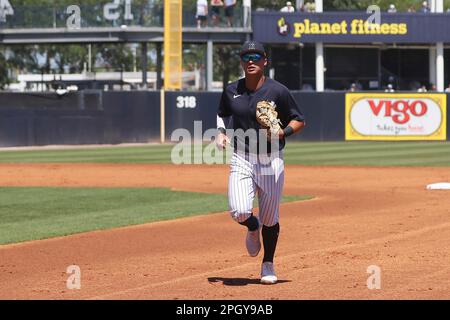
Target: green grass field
305, 153
38, 213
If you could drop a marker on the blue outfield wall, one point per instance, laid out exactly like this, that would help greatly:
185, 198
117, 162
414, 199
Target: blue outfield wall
131, 116
324, 113
97, 117
183, 108
324, 116
91, 117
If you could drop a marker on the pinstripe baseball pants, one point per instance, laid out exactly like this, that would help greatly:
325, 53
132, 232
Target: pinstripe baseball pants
250, 175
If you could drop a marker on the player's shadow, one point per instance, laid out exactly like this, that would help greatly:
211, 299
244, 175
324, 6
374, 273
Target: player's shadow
239, 281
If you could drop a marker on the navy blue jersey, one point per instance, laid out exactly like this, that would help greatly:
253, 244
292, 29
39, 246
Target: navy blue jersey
240, 103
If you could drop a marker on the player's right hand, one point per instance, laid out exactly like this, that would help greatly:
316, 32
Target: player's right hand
221, 141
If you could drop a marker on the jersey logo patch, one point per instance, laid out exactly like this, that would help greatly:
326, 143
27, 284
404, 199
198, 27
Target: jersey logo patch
236, 96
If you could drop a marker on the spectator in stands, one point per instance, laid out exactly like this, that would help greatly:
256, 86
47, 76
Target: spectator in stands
202, 13
448, 88
247, 13
307, 87
392, 9
433, 87
216, 6
353, 88
310, 7
229, 11
414, 85
412, 9
425, 8
288, 8
390, 88
392, 81
422, 89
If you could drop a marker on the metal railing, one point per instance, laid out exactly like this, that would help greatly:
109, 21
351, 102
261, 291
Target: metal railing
91, 16
238, 20
96, 16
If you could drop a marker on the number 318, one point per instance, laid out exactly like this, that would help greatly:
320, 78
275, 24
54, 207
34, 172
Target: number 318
186, 102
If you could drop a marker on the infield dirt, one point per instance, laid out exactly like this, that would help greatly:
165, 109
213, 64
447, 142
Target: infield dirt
360, 217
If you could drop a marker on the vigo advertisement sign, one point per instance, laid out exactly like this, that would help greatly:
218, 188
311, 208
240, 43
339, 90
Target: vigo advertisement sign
395, 116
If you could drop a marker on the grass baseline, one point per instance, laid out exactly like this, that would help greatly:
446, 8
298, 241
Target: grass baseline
31, 213
369, 153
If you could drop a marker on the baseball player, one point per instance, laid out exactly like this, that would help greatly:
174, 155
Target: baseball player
257, 165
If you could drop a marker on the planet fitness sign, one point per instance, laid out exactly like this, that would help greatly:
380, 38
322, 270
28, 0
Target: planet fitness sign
350, 27
395, 116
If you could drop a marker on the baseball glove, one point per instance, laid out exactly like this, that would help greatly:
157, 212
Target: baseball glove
267, 117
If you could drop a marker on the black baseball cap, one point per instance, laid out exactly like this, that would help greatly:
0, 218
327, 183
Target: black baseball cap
252, 46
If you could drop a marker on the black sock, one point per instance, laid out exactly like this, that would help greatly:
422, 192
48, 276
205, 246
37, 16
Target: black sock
270, 238
251, 223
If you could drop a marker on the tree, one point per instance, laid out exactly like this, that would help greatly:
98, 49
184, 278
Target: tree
23, 57
115, 56
4, 78
229, 66
71, 57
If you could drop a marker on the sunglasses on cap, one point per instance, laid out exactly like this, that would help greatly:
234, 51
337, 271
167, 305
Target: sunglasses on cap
255, 57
